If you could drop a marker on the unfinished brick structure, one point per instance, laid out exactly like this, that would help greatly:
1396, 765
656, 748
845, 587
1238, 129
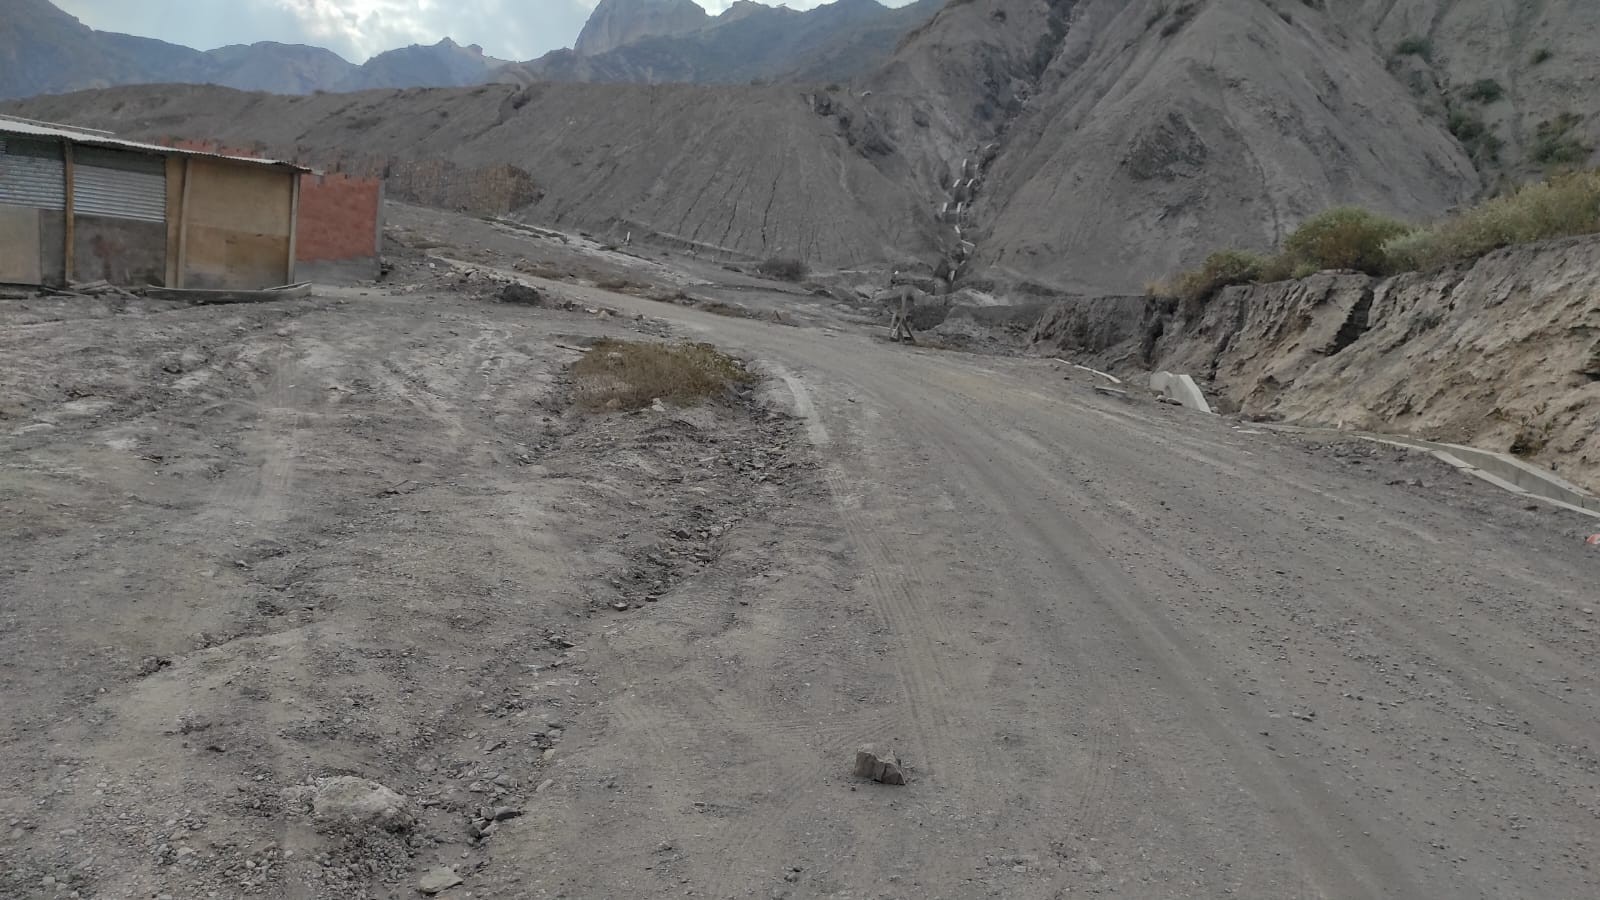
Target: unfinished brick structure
341, 228
339, 236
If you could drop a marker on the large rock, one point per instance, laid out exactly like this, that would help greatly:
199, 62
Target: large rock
617, 23
879, 765
345, 801
437, 880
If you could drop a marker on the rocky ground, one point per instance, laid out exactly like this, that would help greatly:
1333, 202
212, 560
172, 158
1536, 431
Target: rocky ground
344, 597
302, 598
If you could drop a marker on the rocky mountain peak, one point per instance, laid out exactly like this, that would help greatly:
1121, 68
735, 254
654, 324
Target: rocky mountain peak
615, 23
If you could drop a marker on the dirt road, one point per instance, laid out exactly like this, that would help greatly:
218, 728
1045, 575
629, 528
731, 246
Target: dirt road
1123, 648
1129, 649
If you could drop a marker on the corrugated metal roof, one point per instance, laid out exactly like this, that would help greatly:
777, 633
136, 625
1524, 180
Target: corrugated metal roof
32, 129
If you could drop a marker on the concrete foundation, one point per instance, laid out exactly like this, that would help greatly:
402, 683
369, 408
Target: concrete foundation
337, 271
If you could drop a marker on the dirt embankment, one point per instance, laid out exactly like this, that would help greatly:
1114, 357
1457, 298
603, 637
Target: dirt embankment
1502, 354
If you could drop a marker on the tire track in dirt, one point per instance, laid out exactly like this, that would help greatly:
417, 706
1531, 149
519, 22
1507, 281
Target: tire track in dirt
1285, 787
1089, 798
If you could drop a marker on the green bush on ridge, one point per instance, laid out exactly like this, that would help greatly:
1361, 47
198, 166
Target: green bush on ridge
1352, 238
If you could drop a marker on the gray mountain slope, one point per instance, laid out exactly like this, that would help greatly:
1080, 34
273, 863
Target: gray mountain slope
1106, 142
749, 41
756, 171
44, 51
617, 23
1155, 135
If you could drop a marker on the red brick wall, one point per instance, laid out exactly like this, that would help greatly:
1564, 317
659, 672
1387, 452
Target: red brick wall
339, 218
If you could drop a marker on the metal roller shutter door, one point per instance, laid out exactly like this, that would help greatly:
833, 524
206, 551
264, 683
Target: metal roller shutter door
120, 185
32, 174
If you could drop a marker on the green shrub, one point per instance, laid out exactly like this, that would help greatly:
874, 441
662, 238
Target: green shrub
1304, 269
1543, 55
1278, 268
1564, 205
783, 268
1415, 46
1555, 145
1221, 269
1344, 238
1481, 144
1485, 90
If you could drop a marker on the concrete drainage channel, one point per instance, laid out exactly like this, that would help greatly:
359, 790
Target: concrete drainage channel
1180, 389
1499, 469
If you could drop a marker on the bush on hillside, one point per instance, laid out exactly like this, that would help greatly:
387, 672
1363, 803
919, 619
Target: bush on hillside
1221, 269
1480, 143
1555, 145
783, 268
1415, 46
1485, 90
1344, 238
1565, 205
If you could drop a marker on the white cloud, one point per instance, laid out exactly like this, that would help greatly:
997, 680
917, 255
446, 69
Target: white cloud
358, 29
355, 29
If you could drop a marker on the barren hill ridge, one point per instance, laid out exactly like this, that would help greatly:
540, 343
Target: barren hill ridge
660, 41
1086, 145
44, 51
617, 23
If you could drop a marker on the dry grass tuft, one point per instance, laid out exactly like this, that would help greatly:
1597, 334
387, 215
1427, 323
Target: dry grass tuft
633, 374
731, 310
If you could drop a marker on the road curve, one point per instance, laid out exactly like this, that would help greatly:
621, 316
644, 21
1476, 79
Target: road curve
1129, 648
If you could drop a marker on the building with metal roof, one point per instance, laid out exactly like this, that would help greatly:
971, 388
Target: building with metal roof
78, 205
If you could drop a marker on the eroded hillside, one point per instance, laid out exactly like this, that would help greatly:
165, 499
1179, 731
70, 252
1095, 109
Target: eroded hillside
1502, 353
754, 172
1089, 145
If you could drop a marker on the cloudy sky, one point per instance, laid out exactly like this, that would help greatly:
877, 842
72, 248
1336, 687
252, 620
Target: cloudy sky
357, 29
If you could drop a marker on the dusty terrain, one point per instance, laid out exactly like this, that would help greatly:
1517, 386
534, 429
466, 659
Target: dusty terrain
1122, 648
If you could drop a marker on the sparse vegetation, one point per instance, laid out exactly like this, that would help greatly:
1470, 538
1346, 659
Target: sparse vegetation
1221, 269
720, 308
1485, 90
1533, 435
1555, 145
1480, 143
1344, 238
1565, 205
1352, 238
1415, 46
618, 374
783, 268
1542, 55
